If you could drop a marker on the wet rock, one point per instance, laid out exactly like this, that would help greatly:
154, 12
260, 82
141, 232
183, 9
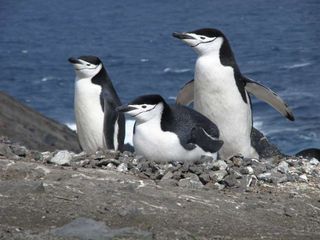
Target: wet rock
283, 167
192, 181
217, 176
61, 158
219, 165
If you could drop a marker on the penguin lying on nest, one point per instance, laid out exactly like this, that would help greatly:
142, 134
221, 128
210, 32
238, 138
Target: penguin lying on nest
165, 132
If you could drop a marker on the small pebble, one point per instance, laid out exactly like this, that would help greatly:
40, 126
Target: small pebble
246, 170
192, 181
217, 176
123, 167
283, 167
62, 158
265, 177
303, 178
314, 161
219, 165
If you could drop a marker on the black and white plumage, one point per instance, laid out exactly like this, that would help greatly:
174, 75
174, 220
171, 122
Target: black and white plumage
220, 91
165, 132
99, 125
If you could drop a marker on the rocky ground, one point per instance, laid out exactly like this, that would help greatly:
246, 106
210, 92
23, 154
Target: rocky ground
112, 195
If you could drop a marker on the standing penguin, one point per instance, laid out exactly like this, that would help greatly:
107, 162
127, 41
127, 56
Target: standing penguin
99, 125
165, 132
220, 91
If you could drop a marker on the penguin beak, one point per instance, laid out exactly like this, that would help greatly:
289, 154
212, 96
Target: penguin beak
125, 108
182, 35
74, 60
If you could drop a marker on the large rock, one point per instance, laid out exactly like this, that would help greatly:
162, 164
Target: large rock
24, 125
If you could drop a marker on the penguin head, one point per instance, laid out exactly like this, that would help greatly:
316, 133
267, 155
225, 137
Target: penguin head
86, 66
203, 41
144, 108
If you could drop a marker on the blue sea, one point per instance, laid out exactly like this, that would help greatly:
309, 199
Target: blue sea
275, 43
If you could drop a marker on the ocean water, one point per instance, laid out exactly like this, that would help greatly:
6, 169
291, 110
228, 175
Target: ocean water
275, 43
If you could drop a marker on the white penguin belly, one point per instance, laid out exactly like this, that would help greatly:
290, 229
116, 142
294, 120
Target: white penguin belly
154, 144
217, 97
89, 115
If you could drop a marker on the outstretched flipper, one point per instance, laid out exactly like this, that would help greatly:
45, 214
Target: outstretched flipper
269, 96
207, 142
186, 94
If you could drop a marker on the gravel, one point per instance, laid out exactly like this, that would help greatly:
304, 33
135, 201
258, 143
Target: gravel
236, 172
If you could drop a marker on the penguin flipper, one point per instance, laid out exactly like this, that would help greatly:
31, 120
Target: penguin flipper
186, 94
204, 140
113, 125
268, 96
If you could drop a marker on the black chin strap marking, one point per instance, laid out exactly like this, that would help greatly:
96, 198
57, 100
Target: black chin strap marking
204, 42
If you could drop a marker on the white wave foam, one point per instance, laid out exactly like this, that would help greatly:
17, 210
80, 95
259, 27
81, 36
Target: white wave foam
297, 65
258, 124
144, 60
176, 70
129, 130
44, 79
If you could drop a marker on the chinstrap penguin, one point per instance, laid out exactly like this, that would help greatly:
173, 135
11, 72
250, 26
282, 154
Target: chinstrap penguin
165, 132
99, 125
220, 91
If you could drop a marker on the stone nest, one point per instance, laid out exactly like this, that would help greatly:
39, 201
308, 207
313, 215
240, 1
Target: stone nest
236, 173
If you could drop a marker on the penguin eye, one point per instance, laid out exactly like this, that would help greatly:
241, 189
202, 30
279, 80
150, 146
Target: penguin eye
88, 64
144, 106
202, 38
